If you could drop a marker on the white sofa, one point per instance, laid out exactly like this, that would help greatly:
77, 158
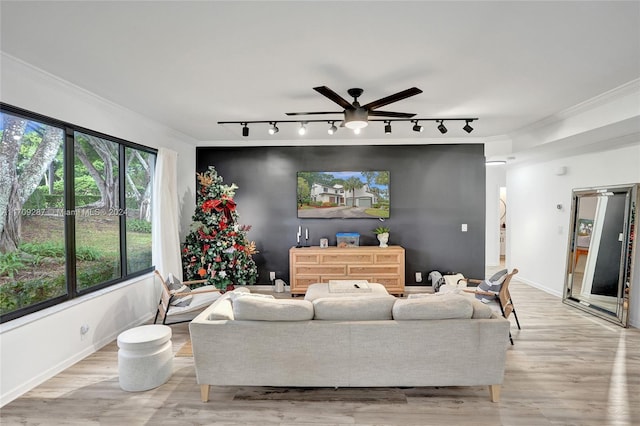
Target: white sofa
373, 340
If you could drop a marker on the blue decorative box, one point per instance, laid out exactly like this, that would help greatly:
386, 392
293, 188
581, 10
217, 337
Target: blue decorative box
348, 239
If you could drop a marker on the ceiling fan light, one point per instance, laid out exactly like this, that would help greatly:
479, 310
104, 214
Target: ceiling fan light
387, 128
442, 128
356, 118
467, 128
357, 130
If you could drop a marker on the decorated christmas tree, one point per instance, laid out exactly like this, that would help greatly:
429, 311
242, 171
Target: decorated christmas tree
216, 248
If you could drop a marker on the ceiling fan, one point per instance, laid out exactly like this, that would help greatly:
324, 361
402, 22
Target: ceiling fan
356, 116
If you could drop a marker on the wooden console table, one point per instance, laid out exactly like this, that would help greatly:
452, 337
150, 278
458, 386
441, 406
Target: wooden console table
308, 265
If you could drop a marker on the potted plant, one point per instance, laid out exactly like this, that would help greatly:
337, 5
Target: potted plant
382, 233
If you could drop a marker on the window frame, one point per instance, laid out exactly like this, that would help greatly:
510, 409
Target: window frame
69, 206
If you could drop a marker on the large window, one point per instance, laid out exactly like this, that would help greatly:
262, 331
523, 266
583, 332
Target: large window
75, 211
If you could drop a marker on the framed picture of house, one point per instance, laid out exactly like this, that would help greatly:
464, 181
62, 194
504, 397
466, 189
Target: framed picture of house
343, 194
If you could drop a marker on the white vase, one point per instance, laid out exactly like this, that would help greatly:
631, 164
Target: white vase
384, 239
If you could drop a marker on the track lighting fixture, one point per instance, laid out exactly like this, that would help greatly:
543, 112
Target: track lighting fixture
302, 130
441, 127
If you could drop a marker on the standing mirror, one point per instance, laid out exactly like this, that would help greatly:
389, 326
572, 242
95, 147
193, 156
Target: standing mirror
601, 251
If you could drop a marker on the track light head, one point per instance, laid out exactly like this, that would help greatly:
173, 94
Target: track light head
303, 129
417, 127
273, 129
333, 129
387, 127
245, 130
441, 127
467, 128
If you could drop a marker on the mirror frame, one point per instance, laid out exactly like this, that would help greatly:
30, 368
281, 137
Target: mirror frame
625, 276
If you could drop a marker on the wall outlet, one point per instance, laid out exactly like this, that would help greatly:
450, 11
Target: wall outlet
418, 277
272, 276
84, 329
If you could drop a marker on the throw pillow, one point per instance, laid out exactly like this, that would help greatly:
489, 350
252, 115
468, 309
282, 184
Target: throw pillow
176, 286
492, 285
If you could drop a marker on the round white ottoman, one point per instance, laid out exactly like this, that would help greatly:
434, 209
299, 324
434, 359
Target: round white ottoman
145, 358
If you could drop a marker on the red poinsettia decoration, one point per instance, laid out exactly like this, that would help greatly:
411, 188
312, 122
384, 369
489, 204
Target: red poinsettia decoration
208, 205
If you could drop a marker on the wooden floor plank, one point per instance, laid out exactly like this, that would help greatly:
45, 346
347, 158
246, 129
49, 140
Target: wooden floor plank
566, 368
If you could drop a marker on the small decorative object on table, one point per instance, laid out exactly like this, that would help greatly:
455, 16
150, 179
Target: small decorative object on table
324, 242
383, 235
348, 239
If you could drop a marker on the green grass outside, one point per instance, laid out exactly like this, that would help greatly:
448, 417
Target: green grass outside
41, 275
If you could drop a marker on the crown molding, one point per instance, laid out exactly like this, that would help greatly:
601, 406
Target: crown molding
66, 84
621, 91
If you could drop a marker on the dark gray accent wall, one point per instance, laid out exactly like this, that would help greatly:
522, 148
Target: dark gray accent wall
434, 189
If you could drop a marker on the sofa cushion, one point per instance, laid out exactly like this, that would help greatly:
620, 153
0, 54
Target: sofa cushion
448, 306
354, 308
270, 309
223, 310
480, 310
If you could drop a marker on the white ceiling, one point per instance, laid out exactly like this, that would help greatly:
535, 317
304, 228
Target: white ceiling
191, 64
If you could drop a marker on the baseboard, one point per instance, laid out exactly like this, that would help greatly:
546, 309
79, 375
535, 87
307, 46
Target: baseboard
18, 391
539, 286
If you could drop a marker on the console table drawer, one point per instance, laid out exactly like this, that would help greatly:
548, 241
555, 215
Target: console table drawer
320, 269
349, 258
373, 269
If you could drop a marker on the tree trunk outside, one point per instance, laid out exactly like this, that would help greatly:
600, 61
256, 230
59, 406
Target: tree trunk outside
10, 234
15, 189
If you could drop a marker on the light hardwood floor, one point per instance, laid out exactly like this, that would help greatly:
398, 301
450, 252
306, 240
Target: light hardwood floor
566, 368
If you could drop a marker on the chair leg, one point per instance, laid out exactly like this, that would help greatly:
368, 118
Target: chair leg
157, 313
502, 310
515, 315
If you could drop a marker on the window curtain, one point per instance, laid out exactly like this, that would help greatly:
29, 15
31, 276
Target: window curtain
165, 222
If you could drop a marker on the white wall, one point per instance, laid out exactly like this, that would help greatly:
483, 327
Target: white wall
37, 347
538, 231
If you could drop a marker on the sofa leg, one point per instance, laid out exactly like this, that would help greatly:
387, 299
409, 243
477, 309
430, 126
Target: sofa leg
204, 393
494, 391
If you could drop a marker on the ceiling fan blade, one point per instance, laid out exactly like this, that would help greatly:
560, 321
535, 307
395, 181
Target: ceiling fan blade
314, 113
325, 91
391, 114
392, 98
